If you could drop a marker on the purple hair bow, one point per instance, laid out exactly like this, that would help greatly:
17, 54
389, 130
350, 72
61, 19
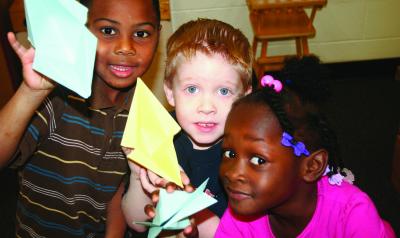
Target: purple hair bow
298, 147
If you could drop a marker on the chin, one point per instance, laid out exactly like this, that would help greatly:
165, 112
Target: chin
245, 214
205, 143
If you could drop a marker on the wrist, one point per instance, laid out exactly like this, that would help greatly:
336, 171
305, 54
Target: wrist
34, 93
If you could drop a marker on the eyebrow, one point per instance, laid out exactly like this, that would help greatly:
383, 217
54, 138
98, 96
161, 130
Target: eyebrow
248, 137
106, 19
252, 138
116, 22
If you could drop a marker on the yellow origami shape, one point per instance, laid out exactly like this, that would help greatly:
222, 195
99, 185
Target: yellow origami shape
150, 131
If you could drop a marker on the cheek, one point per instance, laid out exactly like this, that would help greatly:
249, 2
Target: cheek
184, 103
223, 168
148, 51
224, 108
101, 52
182, 114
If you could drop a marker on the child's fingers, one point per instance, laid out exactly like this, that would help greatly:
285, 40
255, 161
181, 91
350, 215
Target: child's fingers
156, 180
188, 188
134, 167
185, 179
170, 187
191, 231
19, 49
155, 196
149, 210
126, 150
146, 183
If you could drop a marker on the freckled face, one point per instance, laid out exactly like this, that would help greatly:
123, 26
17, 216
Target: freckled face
127, 33
258, 173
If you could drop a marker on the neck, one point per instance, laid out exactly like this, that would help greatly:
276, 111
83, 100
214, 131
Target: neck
109, 95
198, 146
291, 219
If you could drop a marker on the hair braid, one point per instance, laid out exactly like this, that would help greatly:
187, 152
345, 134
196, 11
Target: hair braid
330, 143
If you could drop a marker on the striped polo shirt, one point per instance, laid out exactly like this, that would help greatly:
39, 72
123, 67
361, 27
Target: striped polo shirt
70, 165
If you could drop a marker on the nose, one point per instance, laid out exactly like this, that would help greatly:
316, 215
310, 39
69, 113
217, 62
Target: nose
207, 104
233, 170
125, 46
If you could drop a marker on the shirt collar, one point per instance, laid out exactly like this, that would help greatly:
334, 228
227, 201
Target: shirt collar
96, 101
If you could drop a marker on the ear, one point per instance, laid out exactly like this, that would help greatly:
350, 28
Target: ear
314, 165
248, 90
169, 94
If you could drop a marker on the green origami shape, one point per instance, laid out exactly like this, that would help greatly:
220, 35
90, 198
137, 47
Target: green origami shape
173, 209
65, 49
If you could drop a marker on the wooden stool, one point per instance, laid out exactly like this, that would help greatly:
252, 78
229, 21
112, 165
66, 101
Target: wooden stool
274, 20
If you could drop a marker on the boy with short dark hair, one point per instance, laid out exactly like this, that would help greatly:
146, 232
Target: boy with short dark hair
67, 148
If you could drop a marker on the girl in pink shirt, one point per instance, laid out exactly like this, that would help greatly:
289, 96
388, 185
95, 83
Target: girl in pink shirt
280, 167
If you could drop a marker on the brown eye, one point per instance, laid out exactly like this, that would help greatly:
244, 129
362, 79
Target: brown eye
141, 34
257, 160
229, 154
108, 31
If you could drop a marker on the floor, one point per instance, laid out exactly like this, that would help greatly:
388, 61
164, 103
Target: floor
366, 116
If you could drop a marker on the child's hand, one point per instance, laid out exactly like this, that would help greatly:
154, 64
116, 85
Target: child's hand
149, 209
32, 79
152, 182
149, 180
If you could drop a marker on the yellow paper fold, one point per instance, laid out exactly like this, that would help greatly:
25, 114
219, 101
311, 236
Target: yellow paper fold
149, 131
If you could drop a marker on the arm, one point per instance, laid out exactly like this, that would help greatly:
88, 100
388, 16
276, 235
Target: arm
135, 199
16, 114
142, 184
115, 225
203, 224
207, 223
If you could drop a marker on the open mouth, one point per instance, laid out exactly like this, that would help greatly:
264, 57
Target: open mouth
206, 126
121, 70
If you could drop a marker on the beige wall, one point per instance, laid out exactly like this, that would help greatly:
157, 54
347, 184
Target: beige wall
155, 75
347, 30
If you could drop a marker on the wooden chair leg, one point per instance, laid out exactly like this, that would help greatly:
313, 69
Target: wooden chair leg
256, 69
255, 44
299, 50
264, 45
306, 50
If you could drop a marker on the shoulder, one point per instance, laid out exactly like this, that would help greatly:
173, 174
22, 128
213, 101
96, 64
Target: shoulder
54, 103
348, 209
345, 194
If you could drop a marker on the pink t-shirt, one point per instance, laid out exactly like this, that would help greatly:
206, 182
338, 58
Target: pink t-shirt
342, 211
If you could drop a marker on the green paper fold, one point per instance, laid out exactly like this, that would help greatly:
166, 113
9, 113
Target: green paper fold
65, 49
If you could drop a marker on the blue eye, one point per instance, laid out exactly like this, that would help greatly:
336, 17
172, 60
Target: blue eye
257, 160
229, 154
192, 89
141, 34
224, 91
108, 31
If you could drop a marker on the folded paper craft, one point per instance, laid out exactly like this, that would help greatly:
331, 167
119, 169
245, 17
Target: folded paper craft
173, 209
149, 131
65, 49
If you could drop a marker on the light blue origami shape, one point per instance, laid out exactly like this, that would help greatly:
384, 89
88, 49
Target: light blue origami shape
173, 209
65, 49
